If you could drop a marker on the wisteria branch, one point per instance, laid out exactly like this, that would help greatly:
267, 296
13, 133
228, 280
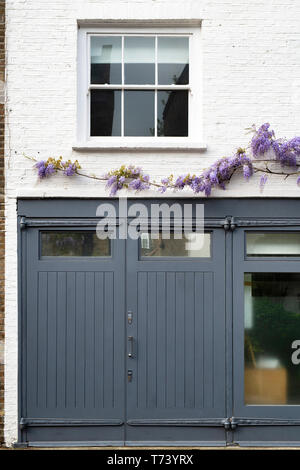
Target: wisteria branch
218, 175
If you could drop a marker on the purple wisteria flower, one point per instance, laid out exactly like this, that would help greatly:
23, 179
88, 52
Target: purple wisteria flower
131, 177
217, 175
287, 152
263, 180
45, 169
50, 166
262, 140
41, 166
69, 169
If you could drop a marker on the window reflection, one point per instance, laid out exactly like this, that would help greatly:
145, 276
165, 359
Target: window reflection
138, 113
172, 113
194, 245
273, 244
272, 323
139, 60
173, 60
67, 243
105, 113
106, 59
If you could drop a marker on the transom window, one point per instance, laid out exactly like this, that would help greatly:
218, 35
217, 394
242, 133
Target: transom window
139, 83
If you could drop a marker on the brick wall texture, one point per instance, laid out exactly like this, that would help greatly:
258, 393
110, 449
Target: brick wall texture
2, 79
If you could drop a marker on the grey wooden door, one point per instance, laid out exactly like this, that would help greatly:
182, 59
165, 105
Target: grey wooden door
116, 354
73, 337
176, 343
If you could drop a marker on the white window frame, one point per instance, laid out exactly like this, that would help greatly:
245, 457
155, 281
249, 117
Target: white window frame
194, 139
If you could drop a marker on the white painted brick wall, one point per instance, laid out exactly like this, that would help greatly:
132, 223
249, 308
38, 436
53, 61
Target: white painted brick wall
251, 74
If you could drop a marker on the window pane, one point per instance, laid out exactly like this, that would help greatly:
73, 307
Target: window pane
68, 243
272, 324
138, 113
193, 245
173, 60
273, 244
105, 112
106, 59
139, 59
172, 113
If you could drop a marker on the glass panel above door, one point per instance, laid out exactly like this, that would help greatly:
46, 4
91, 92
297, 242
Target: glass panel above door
272, 326
193, 245
73, 243
273, 244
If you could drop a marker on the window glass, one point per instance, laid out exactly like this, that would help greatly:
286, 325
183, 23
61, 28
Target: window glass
172, 113
273, 244
139, 60
126, 89
105, 112
193, 245
106, 59
173, 60
138, 113
73, 243
272, 325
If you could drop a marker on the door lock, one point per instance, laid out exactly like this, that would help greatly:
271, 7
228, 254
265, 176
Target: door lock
129, 375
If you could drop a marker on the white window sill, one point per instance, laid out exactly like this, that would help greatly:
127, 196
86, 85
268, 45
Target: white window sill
122, 146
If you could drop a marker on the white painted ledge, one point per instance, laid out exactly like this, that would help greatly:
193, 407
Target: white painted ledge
140, 146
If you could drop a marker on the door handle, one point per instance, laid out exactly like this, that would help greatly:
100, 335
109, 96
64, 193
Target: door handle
130, 347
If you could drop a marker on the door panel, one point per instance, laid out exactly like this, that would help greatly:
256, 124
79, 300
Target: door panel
178, 363
266, 319
74, 346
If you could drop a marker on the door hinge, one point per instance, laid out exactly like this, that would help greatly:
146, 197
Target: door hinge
230, 424
229, 223
22, 223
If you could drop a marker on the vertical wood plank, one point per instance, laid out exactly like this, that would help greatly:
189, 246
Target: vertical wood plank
151, 341
52, 340
161, 340
199, 341
61, 338
171, 339
89, 378
99, 344
42, 339
70, 340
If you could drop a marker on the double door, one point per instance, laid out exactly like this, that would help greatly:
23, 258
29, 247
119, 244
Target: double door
160, 341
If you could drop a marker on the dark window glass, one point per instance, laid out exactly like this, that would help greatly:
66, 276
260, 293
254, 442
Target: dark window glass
173, 60
139, 60
105, 112
194, 245
272, 324
106, 59
139, 113
67, 243
172, 113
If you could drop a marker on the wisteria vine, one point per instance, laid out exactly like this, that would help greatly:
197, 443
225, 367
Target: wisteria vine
218, 175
